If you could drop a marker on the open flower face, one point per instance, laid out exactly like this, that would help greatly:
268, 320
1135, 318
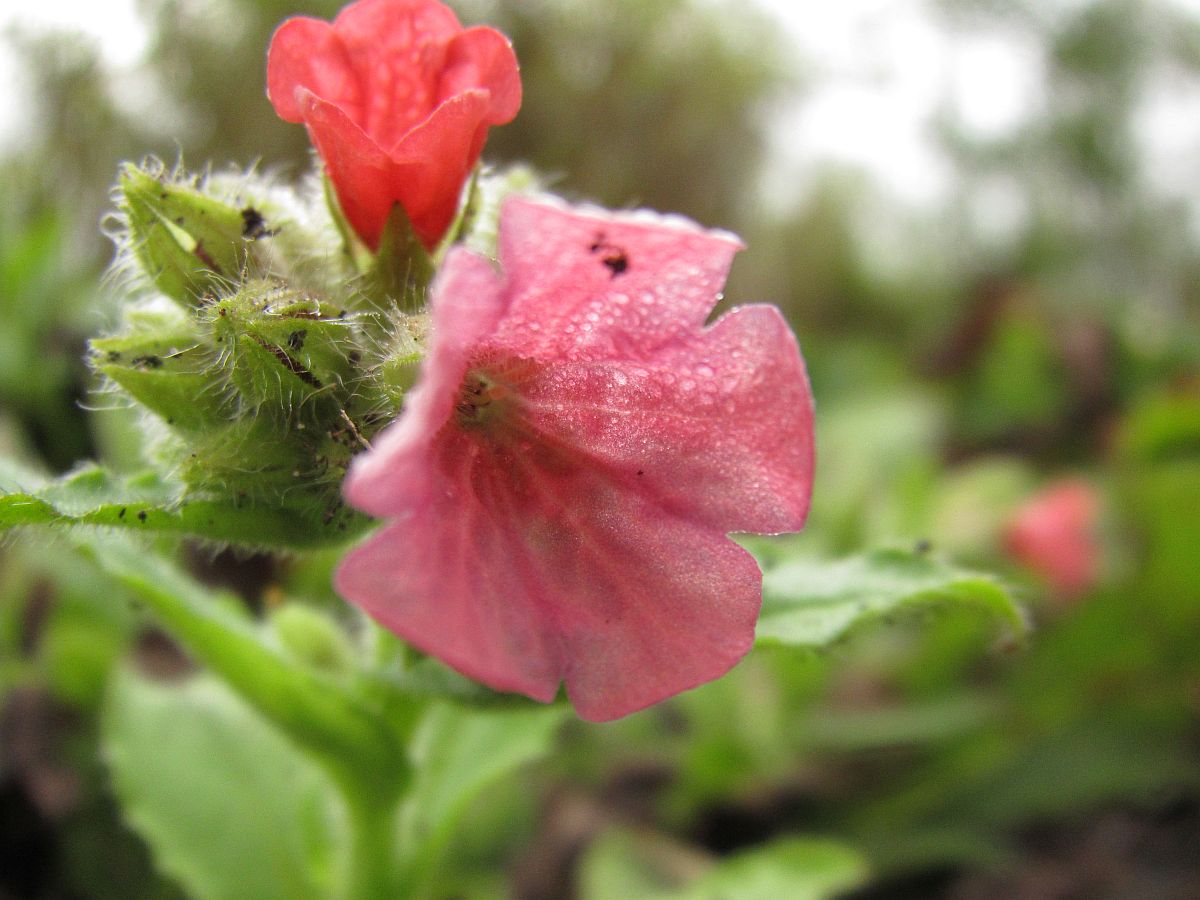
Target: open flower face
561, 482
397, 98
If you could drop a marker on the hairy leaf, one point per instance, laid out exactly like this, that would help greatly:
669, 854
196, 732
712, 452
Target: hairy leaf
230, 808
810, 603
94, 496
456, 754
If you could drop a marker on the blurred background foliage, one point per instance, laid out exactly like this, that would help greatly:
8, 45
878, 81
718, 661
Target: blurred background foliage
1043, 320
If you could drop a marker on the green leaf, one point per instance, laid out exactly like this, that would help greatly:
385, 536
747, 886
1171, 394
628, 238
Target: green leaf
637, 863
644, 865
456, 753
227, 804
324, 717
146, 503
796, 868
1164, 427
810, 603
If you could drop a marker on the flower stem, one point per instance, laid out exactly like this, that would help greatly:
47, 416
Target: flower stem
371, 863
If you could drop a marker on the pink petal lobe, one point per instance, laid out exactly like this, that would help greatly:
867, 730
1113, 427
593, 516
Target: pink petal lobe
611, 286
650, 604
466, 302
391, 24
718, 428
444, 579
524, 570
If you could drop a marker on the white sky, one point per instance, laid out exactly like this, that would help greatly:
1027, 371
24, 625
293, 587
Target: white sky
890, 63
894, 69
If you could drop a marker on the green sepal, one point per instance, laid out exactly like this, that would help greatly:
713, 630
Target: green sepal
246, 458
190, 245
250, 461
400, 274
164, 363
284, 349
478, 223
358, 253
397, 370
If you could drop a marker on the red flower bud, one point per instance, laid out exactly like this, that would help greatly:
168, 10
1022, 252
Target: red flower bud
1053, 534
397, 97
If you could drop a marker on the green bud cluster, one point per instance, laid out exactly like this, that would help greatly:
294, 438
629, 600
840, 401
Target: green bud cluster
266, 348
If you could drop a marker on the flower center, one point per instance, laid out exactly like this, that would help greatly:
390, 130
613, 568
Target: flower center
480, 399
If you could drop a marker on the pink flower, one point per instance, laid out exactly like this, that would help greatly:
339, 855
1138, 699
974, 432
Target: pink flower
1053, 534
561, 482
397, 98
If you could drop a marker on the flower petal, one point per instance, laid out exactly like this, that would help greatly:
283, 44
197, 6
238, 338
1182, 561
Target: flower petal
483, 58
559, 501
524, 569
605, 286
397, 49
718, 427
424, 173
1054, 534
363, 176
444, 579
650, 604
307, 53
434, 158
465, 303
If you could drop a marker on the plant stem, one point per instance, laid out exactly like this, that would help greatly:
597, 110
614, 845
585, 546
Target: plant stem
371, 861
